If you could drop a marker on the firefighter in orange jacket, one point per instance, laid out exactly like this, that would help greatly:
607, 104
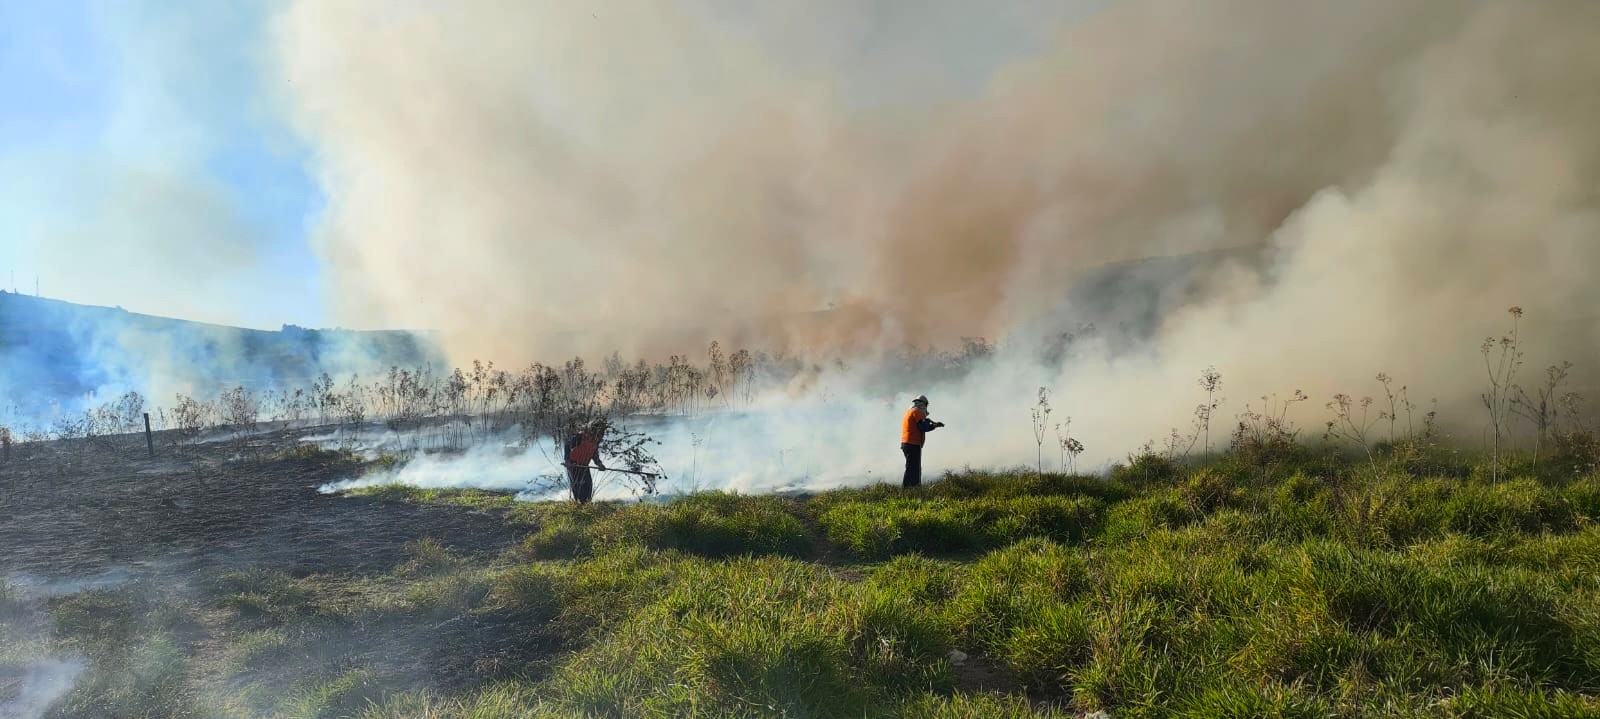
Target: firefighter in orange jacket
914, 429
581, 449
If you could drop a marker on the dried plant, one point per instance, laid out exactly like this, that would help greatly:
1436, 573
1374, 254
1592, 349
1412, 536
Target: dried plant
1211, 382
240, 411
1070, 446
1543, 407
1267, 435
1501, 367
1352, 422
1041, 422
1398, 402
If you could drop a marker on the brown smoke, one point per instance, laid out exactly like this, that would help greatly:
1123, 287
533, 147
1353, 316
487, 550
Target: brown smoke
534, 179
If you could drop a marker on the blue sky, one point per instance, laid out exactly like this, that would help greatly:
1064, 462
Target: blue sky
143, 163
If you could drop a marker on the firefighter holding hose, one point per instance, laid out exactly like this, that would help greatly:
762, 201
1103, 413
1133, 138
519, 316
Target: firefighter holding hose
581, 449
914, 428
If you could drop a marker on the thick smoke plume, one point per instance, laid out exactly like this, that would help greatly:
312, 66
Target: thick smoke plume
1387, 177
512, 175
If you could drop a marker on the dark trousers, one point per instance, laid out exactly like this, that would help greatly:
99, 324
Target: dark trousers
582, 484
913, 453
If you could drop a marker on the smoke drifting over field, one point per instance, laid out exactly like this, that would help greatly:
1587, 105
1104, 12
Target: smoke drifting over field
554, 177
510, 176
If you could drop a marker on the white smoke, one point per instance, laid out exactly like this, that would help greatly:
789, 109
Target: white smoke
39, 677
41, 683
1392, 175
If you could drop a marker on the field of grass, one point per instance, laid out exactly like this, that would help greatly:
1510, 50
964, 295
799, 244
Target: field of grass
1297, 587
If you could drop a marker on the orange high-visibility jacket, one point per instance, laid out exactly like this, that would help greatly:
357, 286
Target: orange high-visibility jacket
914, 428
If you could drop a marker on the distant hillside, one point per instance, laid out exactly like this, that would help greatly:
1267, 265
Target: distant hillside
57, 352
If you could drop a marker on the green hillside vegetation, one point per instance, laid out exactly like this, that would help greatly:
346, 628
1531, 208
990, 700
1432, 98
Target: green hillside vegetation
1291, 586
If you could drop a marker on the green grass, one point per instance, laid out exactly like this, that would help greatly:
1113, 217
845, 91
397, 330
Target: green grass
712, 525
1289, 587
875, 530
134, 641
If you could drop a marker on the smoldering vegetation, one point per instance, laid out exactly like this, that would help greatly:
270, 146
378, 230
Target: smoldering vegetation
757, 422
